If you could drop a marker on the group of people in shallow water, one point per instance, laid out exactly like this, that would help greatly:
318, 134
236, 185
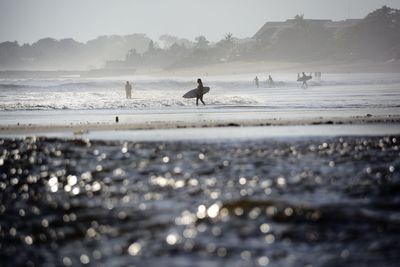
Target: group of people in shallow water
270, 82
199, 93
200, 88
300, 78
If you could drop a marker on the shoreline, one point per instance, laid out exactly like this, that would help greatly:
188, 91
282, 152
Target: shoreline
227, 134
79, 128
229, 68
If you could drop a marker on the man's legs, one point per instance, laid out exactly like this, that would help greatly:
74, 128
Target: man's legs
201, 99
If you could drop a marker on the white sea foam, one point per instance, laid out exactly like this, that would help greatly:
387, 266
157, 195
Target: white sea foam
333, 91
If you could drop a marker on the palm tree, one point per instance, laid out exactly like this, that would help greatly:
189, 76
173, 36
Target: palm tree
299, 21
229, 37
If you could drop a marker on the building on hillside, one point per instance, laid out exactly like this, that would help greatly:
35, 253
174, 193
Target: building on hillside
271, 30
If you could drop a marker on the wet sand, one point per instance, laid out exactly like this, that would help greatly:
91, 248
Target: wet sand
33, 122
215, 186
287, 190
221, 134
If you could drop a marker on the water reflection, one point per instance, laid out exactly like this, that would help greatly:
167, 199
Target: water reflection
305, 202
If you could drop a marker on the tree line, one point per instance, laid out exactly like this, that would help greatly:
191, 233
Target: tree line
375, 37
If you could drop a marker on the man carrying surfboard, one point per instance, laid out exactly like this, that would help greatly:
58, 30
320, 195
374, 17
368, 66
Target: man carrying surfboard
304, 78
200, 92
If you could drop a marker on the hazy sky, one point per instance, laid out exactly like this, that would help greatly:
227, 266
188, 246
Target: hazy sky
30, 20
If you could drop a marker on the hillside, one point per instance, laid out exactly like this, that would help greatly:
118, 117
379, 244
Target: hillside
374, 38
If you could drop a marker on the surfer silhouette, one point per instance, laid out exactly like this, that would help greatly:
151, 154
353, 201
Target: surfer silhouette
270, 81
257, 81
200, 92
304, 85
128, 90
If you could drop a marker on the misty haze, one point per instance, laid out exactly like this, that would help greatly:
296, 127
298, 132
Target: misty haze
369, 41
199, 133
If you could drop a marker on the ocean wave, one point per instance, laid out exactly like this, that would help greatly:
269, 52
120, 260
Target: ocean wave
16, 86
171, 84
334, 92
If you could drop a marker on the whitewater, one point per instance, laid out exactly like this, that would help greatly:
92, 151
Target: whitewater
334, 91
167, 179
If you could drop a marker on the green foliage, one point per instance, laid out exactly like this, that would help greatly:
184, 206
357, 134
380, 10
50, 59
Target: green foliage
375, 37
201, 42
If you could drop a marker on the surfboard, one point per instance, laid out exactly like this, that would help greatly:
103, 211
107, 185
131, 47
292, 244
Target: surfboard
193, 93
302, 79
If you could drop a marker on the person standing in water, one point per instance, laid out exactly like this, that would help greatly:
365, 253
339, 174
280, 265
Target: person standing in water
256, 80
270, 81
304, 85
128, 90
200, 92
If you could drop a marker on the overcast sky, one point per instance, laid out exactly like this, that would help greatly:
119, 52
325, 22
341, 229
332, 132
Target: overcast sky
30, 20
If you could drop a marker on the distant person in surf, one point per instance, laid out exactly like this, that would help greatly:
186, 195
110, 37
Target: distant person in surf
200, 92
257, 81
304, 85
128, 90
270, 81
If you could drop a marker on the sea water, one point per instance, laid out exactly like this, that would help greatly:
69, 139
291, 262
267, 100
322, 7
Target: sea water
333, 91
288, 202
309, 201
